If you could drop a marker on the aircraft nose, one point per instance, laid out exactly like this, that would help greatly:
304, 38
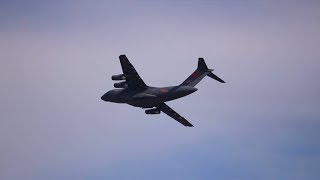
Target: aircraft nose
105, 97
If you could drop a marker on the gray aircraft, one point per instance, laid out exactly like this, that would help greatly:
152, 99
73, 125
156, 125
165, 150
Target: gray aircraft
133, 91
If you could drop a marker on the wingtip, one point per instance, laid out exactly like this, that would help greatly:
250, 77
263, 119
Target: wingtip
123, 58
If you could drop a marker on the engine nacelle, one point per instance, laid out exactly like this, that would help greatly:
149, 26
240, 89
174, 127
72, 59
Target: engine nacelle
120, 85
118, 77
152, 111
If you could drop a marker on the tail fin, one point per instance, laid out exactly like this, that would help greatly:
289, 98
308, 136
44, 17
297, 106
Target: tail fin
201, 71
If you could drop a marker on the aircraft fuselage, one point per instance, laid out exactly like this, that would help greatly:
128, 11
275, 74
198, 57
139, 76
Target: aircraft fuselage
148, 98
134, 91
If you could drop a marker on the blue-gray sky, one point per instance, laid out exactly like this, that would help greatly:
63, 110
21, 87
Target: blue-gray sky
56, 59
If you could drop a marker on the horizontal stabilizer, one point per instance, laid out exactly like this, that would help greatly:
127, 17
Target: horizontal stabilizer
201, 72
213, 76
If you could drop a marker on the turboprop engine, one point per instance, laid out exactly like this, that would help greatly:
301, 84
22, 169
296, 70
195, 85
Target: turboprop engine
120, 85
152, 111
118, 77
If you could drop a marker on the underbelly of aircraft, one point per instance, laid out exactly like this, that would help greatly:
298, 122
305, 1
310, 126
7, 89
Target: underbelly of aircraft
146, 103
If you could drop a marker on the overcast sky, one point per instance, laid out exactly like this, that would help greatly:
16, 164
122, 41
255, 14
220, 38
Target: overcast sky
57, 59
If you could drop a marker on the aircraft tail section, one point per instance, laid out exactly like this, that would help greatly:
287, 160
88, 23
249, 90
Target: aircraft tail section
201, 71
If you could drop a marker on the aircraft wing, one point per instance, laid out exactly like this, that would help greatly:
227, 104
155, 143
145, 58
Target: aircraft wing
132, 77
170, 112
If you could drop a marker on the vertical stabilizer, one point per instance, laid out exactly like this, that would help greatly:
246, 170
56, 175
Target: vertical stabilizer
201, 71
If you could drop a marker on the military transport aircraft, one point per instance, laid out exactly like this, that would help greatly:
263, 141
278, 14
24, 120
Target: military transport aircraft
135, 92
